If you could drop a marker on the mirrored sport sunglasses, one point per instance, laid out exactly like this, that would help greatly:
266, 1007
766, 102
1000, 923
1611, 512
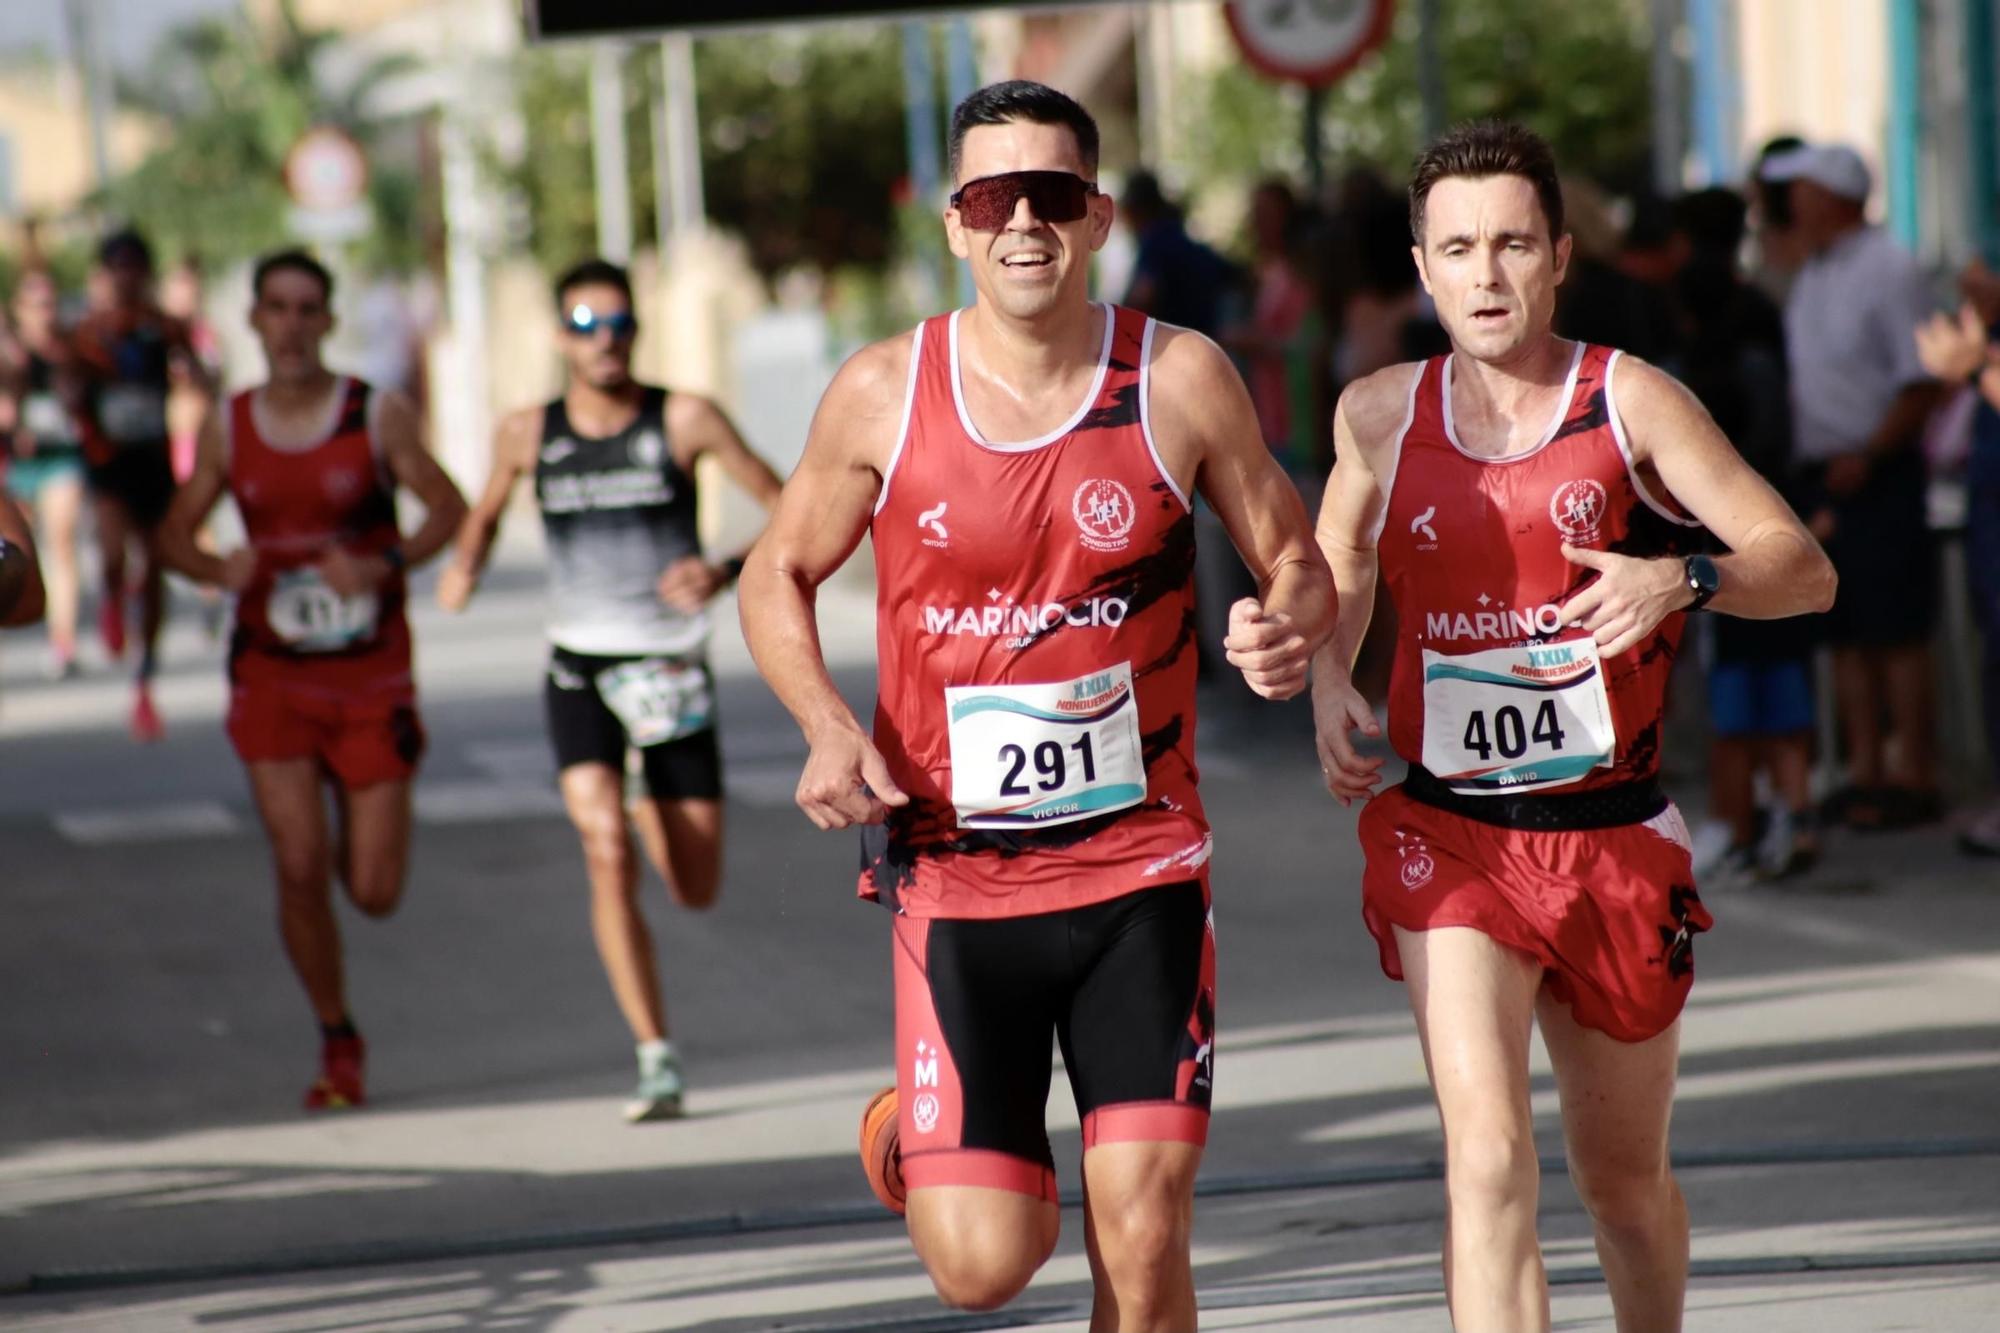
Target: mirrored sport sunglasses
1054, 196
587, 323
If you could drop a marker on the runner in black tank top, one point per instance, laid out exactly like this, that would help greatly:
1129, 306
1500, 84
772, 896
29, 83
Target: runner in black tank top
613, 463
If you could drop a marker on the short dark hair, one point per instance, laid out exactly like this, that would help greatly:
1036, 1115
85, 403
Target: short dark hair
125, 243
291, 261
1023, 99
593, 272
1488, 148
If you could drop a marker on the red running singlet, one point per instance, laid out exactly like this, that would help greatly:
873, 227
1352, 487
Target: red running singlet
1035, 627
298, 503
1489, 689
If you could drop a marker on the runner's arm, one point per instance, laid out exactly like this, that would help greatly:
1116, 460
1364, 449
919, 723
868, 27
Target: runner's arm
21, 593
514, 444
698, 427
399, 433
1367, 424
1773, 568
193, 500
1202, 399
821, 517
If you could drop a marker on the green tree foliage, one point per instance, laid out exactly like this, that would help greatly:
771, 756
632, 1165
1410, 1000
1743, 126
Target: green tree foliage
234, 100
1575, 71
802, 145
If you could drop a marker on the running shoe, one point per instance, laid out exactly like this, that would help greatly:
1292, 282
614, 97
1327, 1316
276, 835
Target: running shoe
660, 1092
882, 1151
146, 725
111, 627
1982, 838
338, 1086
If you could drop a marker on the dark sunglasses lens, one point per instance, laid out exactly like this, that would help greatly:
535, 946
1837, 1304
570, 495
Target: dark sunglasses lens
1053, 196
620, 326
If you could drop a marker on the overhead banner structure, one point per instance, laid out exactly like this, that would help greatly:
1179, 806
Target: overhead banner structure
552, 20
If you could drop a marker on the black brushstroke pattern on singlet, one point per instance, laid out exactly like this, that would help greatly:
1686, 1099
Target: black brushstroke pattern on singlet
1159, 574
1593, 416
1122, 410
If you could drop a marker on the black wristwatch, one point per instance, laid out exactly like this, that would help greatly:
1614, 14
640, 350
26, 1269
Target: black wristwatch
1704, 580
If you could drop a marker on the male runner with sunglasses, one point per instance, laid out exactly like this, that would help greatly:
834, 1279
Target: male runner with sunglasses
1025, 468
1533, 505
613, 462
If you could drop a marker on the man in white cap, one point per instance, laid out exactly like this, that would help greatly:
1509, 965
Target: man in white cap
1860, 398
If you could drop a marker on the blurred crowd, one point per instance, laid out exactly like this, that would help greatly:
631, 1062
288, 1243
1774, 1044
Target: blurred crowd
1819, 346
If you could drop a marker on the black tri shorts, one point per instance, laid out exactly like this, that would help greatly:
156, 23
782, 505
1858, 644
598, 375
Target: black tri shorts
1126, 987
138, 476
578, 696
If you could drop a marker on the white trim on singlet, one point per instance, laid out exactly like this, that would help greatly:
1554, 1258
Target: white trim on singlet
909, 408
1562, 414
336, 403
1625, 450
1146, 412
1396, 453
1028, 446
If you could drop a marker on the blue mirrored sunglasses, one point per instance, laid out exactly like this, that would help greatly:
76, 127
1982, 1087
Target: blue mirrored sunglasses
586, 323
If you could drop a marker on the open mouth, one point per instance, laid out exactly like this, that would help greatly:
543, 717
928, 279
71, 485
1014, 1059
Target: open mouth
1029, 261
1489, 315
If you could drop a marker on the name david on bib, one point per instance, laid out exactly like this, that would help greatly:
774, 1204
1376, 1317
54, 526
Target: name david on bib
1026, 755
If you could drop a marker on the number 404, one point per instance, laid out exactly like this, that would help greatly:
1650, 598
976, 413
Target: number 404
1509, 732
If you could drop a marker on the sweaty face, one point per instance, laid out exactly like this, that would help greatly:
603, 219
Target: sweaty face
291, 319
1029, 265
596, 334
1488, 263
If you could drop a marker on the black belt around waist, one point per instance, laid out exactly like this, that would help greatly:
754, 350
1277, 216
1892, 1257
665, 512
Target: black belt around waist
1543, 812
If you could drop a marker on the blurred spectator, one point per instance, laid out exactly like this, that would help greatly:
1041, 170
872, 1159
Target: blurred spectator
194, 368
45, 467
1760, 693
1962, 351
1860, 400
1278, 345
1174, 277
1598, 301
1385, 316
1779, 250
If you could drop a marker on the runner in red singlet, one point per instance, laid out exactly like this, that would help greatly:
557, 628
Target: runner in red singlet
1024, 468
1534, 506
319, 661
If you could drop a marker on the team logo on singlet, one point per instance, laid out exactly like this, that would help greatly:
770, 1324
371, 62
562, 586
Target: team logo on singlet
1105, 514
1578, 508
340, 484
924, 1113
932, 521
648, 448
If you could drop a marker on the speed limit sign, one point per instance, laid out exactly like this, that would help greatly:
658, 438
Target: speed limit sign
1312, 42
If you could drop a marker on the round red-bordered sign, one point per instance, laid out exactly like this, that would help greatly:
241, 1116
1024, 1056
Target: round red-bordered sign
1313, 42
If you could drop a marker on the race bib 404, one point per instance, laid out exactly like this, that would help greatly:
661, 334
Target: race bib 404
658, 699
1516, 719
1026, 755
310, 617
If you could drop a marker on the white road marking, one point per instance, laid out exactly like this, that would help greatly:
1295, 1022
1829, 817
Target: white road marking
148, 823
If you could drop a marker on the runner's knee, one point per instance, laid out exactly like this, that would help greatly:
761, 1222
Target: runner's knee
969, 1278
1622, 1200
1491, 1168
1142, 1247
376, 890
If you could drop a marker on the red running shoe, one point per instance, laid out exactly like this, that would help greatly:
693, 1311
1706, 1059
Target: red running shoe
338, 1086
111, 626
146, 725
882, 1151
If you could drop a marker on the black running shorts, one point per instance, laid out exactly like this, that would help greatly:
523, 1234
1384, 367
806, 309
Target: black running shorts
1126, 987
584, 730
